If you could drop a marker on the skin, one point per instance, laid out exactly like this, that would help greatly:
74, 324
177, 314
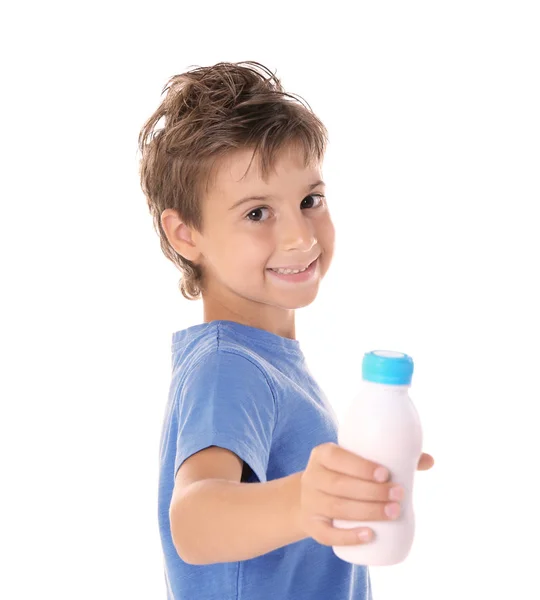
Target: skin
235, 249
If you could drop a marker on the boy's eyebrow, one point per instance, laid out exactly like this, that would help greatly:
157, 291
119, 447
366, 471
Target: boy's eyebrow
263, 198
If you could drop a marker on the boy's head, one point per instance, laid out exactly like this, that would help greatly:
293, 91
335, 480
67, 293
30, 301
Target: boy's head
231, 132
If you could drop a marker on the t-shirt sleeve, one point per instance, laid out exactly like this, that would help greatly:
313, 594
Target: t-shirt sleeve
226, 401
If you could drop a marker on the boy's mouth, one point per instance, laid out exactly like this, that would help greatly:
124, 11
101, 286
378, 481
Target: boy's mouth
295, 273
293, 270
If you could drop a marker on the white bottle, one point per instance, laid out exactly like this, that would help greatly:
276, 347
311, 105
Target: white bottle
382, 425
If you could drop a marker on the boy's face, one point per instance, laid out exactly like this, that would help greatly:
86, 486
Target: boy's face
242, 243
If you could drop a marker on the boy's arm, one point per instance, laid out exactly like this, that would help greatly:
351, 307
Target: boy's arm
215, 518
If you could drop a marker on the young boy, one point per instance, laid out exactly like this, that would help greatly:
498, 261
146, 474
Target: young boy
251, 475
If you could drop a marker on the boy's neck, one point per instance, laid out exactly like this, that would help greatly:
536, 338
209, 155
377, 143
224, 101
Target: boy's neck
275, 320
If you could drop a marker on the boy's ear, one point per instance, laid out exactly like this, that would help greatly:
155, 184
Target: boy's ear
180, 236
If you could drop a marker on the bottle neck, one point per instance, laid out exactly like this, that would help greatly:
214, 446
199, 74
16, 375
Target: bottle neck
386, 387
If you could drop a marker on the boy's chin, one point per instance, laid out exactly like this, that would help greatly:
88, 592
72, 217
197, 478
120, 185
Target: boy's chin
303, 304
299, 302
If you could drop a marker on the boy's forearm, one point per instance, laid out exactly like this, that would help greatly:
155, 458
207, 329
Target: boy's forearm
224, 521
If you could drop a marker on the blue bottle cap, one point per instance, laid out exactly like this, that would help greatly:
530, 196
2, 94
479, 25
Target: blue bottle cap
388, 367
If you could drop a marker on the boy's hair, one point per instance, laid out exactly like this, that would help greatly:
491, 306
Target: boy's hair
209, 112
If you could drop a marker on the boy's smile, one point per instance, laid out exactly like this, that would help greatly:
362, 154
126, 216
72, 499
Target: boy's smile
264, 245
296, 273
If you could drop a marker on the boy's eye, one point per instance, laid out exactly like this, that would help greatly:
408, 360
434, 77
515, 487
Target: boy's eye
312, 201
262, 213
257, 214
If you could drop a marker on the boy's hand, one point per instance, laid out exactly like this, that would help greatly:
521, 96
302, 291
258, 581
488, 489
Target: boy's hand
338, 484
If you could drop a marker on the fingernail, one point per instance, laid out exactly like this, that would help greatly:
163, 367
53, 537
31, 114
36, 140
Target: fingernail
396, 493
381, 474
364, 535
392, 510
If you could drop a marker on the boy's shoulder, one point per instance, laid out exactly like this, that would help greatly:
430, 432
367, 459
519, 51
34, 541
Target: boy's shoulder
211, 337
208, 359
246, 352
205, 345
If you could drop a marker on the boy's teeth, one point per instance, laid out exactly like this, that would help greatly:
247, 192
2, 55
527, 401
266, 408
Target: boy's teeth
289, 271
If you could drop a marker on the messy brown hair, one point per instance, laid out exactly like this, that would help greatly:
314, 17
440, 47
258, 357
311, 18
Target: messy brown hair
209, 112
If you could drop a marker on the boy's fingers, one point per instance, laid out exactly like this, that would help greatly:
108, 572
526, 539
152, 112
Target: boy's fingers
323, 532
354, 488
426, 462
352, 510
338, 459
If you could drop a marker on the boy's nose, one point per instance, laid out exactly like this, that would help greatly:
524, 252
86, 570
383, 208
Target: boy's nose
297, 234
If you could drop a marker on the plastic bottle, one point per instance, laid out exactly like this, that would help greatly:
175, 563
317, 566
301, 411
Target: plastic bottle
382, 425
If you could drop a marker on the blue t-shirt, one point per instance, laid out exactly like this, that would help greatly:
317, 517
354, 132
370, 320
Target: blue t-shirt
250, 391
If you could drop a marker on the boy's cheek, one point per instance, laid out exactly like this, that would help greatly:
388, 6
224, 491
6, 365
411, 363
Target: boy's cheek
328, 242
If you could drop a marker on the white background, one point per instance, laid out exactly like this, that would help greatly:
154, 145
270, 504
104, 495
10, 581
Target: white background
433, 181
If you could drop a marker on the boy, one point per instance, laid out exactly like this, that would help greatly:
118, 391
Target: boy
250, 472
